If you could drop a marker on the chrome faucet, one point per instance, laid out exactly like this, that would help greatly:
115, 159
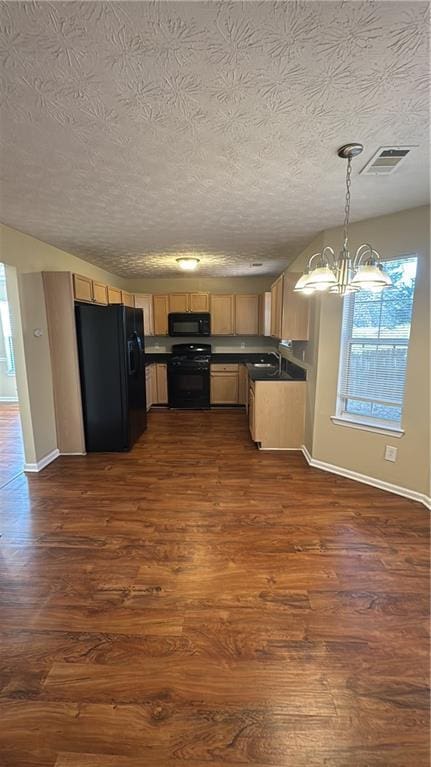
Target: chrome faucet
279, 357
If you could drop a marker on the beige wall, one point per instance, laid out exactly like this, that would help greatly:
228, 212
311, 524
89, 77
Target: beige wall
202, 284
29, 257
403, 233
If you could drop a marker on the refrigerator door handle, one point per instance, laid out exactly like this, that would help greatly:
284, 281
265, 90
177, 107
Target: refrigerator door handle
131, 357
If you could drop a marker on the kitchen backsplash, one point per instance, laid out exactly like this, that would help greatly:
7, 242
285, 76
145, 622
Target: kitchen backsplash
154, 344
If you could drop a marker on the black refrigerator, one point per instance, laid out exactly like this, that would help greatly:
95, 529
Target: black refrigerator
112, 371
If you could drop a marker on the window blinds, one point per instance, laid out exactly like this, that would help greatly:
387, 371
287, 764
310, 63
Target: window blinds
374, 346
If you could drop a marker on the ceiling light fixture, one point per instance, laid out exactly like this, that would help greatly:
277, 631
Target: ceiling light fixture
188, 264
344, 275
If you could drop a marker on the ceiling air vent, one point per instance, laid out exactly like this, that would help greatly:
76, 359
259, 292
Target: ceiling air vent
386, 160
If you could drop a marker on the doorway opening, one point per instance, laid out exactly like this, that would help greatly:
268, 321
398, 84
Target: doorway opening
11, 441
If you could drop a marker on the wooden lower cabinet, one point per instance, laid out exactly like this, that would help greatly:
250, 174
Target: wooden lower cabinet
276, 413
242, 385
224, 384
251, 412
156, 384
161, 384
149, 385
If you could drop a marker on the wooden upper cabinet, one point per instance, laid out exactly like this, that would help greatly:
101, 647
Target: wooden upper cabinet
188, 302
222, 315
100, 293
144, 301
82, 288
178, 302
199, 302
295, 310
277, 307
265, 314
128, 299
247, 315
160, 314
114, 295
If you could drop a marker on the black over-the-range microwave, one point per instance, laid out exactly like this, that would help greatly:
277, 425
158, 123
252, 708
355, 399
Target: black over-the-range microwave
189, 324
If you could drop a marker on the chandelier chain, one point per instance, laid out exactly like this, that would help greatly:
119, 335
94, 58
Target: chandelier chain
347, 204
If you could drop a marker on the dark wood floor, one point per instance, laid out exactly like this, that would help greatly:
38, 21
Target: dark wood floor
11, 447
196, 602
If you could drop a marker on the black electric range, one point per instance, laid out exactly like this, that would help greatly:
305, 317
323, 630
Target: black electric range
189, 376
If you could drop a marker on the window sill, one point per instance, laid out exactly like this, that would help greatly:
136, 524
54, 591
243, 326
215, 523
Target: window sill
391, 431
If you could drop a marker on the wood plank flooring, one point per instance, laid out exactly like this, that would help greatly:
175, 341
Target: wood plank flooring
196, 602
11, 446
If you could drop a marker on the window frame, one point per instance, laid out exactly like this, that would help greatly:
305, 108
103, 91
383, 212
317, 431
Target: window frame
343, 417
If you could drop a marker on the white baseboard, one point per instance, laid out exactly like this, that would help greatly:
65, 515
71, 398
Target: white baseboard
34, 467
366, 480
282, 449
73, 453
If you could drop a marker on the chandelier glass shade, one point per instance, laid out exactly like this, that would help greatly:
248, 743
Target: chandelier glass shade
344, 275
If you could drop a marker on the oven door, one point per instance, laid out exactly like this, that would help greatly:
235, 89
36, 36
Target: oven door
189, 387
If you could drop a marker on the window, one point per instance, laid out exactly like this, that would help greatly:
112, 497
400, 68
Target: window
374, 347
7, 359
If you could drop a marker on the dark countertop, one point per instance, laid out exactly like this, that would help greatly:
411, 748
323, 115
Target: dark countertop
290, 371
157, 357
244, 357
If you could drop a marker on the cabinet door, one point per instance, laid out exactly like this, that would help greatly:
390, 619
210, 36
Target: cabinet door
265, 314
242, 385
296, 308
128, 299
251, 413
222, 315
179, 302
224, 388
277, 308
160, 315
199, 302
114, 295
246, 315
144, 301
148, 386
162, 384
100, 293
82, 288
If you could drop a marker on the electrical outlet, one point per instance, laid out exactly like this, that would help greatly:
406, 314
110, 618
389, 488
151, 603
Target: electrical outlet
243, 345
391, 453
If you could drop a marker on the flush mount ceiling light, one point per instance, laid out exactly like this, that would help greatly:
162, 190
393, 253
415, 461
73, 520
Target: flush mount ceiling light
344, 275
188, 264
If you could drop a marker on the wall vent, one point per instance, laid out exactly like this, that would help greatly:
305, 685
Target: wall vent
386, 160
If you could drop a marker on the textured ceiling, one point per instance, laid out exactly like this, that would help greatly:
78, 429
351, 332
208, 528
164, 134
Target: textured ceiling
133, 132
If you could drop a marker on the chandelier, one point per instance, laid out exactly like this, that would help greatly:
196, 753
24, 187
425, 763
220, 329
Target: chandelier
344, 275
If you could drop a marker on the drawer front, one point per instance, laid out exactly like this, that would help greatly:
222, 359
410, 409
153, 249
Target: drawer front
217, 367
